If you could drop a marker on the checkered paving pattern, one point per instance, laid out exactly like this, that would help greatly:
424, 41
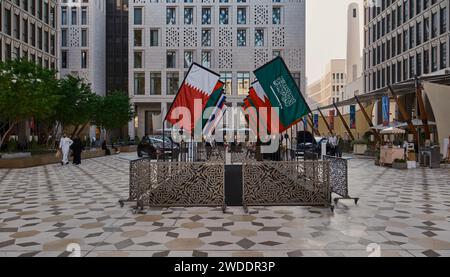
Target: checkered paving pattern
44, 209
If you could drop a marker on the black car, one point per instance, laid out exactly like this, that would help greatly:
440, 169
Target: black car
153, 147
305, 143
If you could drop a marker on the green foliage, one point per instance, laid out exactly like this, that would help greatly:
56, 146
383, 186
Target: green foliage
113, 111
26, 90
12, 146
400, 161
78, 104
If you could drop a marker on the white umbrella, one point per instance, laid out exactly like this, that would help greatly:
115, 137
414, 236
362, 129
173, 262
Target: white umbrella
392, 131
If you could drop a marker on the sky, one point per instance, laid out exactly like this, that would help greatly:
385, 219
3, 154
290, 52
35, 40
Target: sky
326, 34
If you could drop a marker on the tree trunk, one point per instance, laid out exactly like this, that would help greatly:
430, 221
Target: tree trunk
74, 131
81, 129
6, 134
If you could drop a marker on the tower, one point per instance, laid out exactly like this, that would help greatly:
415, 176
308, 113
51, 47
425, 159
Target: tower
354, 65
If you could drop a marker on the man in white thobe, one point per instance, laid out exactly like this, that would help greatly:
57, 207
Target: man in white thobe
64, 146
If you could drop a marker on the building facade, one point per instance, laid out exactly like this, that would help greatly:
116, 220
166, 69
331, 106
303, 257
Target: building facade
404, 39
82, 41
231, 37
117, 45
28, 30
330, 88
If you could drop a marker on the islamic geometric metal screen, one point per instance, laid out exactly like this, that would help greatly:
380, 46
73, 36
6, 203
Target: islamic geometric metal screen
286, 183
338, 175
169, 184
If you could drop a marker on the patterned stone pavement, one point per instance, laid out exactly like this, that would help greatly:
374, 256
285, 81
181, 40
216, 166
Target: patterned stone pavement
44, 209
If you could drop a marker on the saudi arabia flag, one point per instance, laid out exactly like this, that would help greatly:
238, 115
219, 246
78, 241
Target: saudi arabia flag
282, 91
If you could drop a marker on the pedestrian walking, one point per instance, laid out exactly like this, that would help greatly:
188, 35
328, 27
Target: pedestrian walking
64, 146
77, 147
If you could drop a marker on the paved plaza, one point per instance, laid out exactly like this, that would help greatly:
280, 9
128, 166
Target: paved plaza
44, 209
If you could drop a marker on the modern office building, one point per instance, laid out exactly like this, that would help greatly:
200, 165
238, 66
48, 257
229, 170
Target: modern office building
404, 39
28, 30
82, 41
117, 45
330, 88
231, 37
82, 35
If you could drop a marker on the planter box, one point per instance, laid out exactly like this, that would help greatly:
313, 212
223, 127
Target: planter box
411, 164
359, 149
400, 165
16, 155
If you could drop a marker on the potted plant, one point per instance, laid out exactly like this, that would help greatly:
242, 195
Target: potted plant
400, 164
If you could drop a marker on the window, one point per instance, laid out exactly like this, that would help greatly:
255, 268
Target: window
139, 83
419, 64
33, 34
412, 67
188, 16
259, 37
84, 38
25, 30
206, 37
171, 59
73, 16
154, 38
138, 59
243, 82
434, 27
63, 15
206, 59
242, 37
426, 61
443, 55
155, 83
443, 20
276, 16
426, 29
226, 78
241, 16
206, 16
172, 83
419, 33
297, 78
16, 26
434, 63
64, 61
138, 38
223, 16
138, 16
188, 58
171, 16
84, 19
64, 37
84, 59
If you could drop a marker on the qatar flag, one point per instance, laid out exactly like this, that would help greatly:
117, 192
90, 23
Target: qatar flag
192, 97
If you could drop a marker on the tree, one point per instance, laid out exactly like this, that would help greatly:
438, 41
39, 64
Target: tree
113, 111
26, 91
78, 105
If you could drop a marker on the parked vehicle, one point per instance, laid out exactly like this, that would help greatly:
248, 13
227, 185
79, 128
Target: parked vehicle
305, 143
153, 147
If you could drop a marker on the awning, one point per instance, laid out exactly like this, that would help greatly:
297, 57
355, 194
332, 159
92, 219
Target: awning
400, 89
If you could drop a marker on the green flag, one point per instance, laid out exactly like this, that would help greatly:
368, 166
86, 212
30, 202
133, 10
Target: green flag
211, 103
282, 91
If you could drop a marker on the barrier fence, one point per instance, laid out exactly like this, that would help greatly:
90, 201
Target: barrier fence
339, 177
300, 183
